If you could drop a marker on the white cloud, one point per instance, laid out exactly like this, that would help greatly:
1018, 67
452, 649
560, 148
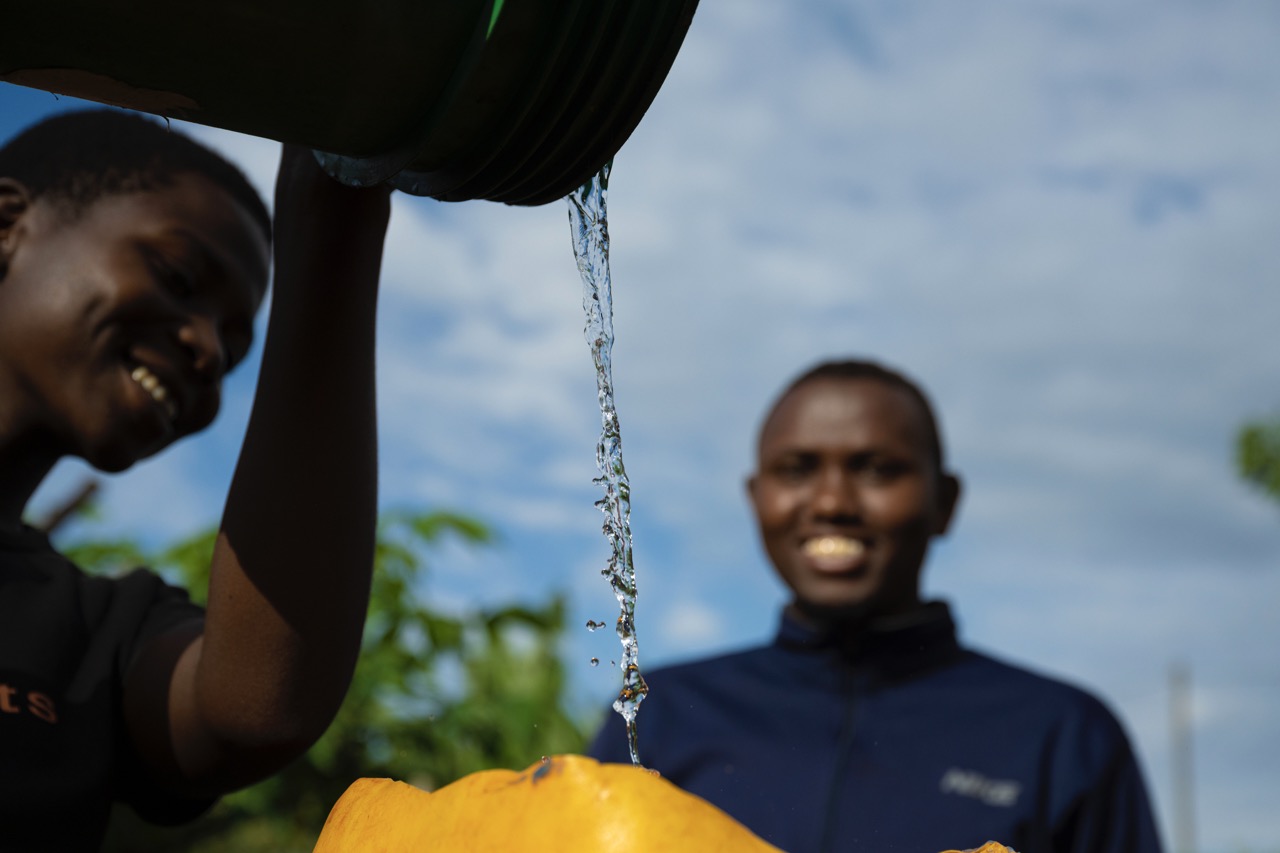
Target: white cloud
691, 623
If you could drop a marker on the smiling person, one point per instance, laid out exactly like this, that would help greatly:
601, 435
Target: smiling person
132, 263
865, 725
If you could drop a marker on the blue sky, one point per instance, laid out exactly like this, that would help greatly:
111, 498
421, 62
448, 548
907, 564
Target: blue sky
1061, 217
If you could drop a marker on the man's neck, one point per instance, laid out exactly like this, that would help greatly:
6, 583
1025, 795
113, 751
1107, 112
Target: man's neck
853, 621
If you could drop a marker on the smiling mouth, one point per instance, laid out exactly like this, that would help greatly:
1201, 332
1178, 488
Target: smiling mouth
154, 387
833, 553
833, 546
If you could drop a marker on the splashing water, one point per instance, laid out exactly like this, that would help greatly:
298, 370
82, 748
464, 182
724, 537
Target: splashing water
588, 220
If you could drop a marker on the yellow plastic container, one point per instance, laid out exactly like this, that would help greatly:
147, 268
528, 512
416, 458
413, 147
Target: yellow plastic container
565, 804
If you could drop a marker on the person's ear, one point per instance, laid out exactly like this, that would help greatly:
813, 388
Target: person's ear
15, 201
949, 488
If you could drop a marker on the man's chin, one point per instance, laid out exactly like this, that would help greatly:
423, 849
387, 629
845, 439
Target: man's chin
116, 457
834, 614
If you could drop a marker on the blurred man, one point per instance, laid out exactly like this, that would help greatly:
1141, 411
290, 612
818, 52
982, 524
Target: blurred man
865, 725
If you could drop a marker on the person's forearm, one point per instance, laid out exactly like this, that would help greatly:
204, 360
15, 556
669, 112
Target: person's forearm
291, 571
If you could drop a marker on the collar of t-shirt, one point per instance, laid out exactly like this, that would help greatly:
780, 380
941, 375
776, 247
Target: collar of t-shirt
893, 648
22, 539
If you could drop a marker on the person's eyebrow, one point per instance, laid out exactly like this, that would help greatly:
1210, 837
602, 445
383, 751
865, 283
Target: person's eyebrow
205, 255
213, 263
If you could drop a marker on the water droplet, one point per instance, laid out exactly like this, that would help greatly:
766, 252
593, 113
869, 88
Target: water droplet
595, 661
592, 625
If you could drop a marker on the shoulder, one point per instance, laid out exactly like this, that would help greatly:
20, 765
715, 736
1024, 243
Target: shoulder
676, 684
138, 597
1002, 676
710, 672
686, 705
1063, 710
74, 609
711, 694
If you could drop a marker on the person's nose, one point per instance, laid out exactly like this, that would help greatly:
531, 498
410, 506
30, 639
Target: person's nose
835, 494
200, 338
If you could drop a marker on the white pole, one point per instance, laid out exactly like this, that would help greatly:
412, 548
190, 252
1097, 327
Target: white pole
1184, 824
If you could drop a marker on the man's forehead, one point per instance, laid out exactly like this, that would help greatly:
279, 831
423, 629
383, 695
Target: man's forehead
830, 406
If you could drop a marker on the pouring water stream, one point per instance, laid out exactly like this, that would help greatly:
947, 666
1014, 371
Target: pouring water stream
588, 220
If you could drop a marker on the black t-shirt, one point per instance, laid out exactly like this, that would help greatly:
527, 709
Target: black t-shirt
67, 640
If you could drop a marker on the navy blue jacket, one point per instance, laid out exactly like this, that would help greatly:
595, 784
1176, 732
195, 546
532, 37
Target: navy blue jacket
903, 742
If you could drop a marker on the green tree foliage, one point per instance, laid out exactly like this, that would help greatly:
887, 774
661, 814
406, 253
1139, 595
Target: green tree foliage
435, 696
1258, 455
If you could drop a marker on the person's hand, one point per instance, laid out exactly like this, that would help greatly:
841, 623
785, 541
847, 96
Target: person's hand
319, 220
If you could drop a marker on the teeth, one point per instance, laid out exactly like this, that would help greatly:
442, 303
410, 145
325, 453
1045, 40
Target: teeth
151, 384
833, 546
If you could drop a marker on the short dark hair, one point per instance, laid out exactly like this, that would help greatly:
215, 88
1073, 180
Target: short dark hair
76, 158
864, 369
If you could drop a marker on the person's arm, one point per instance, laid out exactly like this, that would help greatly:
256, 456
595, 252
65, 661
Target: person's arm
1114, 817
1107, 809
289, 583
